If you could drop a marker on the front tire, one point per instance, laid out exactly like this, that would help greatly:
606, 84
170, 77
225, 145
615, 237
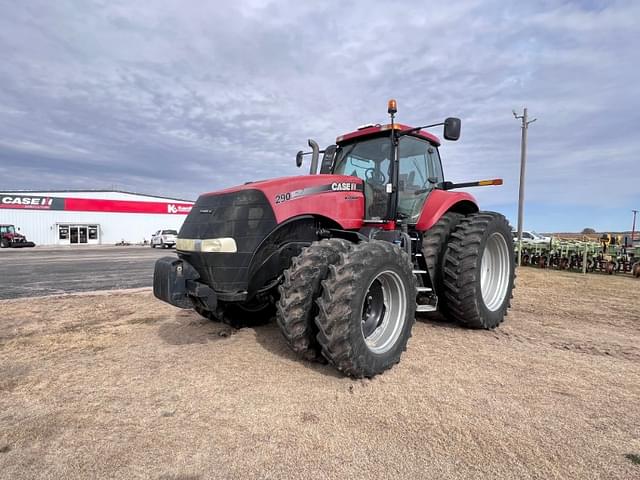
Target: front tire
4, 243
367, 309
297, 307
479, 270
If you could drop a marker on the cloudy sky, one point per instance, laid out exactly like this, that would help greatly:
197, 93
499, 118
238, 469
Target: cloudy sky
181, 97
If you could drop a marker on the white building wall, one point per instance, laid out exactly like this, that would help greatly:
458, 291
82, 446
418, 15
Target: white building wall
40, 226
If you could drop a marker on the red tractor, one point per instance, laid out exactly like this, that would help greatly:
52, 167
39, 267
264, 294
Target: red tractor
9, 237
345, 258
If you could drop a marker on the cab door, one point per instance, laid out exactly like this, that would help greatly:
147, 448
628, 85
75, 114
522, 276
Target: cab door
420, 171
369, 160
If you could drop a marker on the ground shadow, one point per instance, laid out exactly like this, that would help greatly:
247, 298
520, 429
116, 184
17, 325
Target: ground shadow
435, 319
187, 327
271, 339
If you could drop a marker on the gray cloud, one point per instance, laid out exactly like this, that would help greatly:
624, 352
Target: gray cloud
177, 98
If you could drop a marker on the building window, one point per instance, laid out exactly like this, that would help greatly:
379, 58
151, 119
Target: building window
93, 232
63, 232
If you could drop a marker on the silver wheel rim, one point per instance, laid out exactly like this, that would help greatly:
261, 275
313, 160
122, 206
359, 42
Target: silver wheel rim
495, 270
382, 328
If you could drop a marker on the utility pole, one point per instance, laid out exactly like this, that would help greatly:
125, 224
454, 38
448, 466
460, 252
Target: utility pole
633, 228
523, 162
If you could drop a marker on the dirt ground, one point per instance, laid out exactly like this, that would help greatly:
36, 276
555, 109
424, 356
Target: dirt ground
119, 385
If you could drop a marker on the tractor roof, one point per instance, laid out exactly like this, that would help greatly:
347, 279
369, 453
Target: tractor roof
372, 130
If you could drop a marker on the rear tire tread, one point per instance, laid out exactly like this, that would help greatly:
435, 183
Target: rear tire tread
299, 290
460, 271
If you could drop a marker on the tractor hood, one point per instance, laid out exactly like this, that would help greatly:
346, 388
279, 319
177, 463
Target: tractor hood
231, 231
336, 197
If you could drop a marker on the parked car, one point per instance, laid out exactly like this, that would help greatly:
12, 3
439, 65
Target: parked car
164, 239
529, 236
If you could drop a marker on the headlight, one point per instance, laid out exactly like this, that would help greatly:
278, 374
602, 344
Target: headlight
208, 245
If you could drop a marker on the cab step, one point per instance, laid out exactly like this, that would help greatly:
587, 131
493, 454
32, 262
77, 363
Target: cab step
424, 289
425, 308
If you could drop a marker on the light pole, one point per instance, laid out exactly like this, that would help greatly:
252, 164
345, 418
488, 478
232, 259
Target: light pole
523, 162
633, 228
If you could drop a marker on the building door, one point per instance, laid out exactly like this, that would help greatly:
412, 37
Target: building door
78, 234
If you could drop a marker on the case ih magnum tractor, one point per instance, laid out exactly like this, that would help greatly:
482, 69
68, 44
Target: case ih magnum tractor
345, 258
10, 238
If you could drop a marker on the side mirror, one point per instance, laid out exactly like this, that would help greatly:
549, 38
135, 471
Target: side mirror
452, 128
18, 228
299, 158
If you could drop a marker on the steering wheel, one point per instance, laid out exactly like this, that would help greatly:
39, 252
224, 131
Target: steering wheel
374, 176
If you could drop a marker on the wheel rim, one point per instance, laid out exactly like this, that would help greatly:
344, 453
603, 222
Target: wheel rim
495, 271
383, 312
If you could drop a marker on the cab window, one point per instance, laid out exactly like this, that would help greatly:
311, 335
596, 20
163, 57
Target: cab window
369, 160
420, 171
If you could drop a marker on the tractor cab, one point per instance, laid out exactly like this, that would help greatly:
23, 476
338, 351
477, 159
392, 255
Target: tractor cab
369, 156
399, 165
7, 230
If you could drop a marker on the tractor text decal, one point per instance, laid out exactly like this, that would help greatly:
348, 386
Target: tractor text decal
332, 187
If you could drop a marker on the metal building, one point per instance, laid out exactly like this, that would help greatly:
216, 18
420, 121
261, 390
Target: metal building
76, 217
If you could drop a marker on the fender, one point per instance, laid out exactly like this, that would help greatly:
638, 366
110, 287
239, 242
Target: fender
274, 253
440, 202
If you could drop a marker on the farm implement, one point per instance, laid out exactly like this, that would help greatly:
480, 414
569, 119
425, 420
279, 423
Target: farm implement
583, 255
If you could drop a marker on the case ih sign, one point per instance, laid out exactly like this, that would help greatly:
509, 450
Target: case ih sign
91, 205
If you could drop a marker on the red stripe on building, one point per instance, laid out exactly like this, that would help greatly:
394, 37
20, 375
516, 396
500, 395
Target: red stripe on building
125, 206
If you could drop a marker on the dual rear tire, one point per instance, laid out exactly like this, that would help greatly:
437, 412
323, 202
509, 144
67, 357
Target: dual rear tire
479, 271
471, 262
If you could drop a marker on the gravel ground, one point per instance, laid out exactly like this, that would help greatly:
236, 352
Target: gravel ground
119, 385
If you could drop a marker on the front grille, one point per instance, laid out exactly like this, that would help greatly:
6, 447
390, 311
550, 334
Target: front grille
245, 216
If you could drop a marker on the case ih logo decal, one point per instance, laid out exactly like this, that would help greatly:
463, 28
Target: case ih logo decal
91, 205
344, 187
332, 187
32, 203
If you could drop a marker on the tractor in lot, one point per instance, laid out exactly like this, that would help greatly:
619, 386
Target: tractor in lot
10, 238
344, 258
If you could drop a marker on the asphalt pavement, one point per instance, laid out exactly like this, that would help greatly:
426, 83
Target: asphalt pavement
34, 272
